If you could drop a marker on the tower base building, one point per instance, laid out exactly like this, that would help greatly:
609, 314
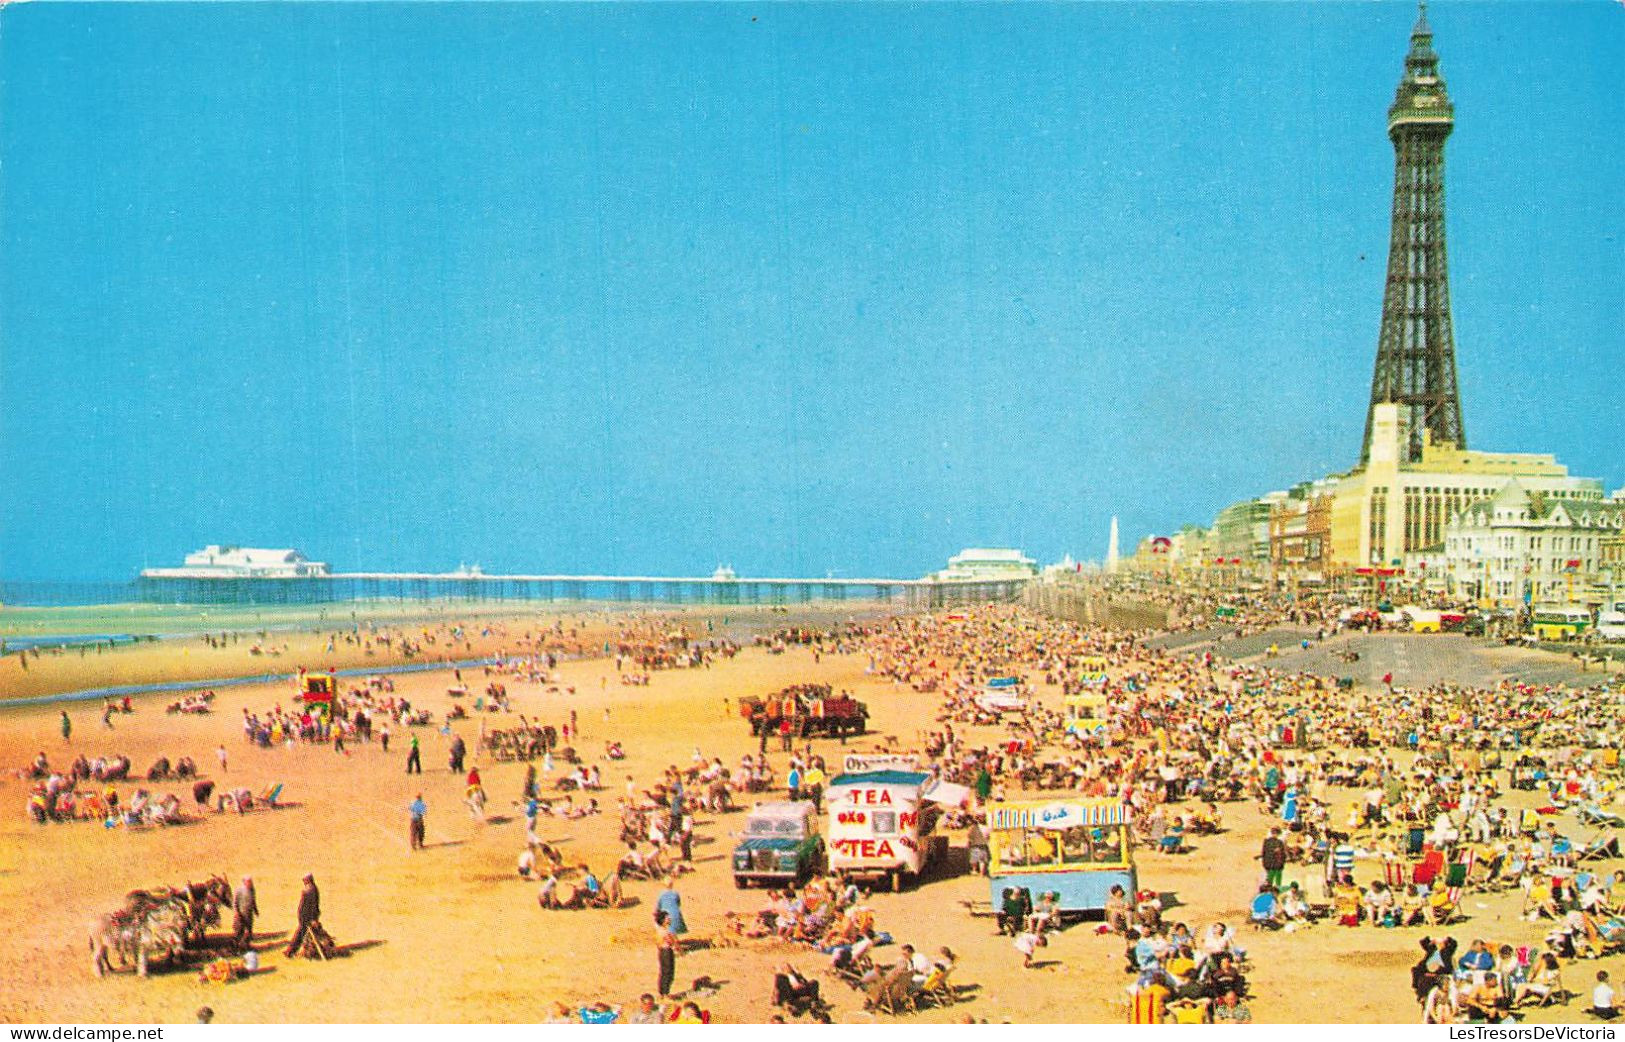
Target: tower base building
1392, 512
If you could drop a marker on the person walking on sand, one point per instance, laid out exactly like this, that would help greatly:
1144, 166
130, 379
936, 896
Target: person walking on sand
533, 807
67, 727
220, 754
414, 758
244, 906
665, 953
1272, 855
310, 910
474, 791
418, 810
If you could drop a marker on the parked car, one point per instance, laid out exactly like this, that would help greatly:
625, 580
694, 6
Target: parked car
781, 845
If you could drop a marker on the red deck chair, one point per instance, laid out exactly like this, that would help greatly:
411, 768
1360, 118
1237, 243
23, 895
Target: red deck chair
1428, 869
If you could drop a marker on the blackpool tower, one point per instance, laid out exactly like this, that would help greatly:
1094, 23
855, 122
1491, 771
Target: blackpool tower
1416, 349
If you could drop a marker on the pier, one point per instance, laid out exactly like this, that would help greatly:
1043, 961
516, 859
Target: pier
400, 587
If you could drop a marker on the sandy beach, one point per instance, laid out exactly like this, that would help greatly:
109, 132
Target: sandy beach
450, 934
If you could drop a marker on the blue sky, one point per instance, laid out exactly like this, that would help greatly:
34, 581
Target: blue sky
807, 289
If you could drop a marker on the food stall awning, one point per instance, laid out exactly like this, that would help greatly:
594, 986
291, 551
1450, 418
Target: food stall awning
947, 794
1060, 816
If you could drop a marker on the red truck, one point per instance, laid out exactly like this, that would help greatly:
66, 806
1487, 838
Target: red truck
812, 709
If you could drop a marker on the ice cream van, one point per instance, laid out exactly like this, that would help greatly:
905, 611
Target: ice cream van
879, 826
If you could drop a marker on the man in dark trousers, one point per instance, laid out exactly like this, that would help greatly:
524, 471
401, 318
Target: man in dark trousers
310, 910
1273, 855
458, 751
418, 811
244, 907
414, 758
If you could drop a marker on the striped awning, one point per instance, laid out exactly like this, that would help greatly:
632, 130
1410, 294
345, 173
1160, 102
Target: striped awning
1060, 816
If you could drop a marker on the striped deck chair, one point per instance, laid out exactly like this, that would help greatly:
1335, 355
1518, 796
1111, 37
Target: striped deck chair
1457, 874
1451, 909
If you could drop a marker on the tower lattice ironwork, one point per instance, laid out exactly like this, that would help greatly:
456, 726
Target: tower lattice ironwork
1416, 349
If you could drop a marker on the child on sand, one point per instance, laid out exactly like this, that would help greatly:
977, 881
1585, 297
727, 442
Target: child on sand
1027, 942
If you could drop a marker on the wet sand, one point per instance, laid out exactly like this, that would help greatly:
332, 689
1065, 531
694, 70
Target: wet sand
279, 641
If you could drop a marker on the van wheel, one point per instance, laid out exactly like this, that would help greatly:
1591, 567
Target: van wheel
894, 881
741, 882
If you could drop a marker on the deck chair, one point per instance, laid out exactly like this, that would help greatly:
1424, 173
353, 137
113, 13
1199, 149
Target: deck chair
1455, 877
1528, 821
1591, 814
852, 971
1603, 846
1428, 869
1188, 1011
1446, 913
270, 795
892, 994
1393, 873
1612, 933
937, 989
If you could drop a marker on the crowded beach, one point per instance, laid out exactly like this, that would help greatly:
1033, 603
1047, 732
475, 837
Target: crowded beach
554, 833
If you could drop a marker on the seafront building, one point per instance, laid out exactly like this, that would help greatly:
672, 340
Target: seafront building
1300, 531
1524, 547
1392, 512
1242, 530
983, 563
241, 562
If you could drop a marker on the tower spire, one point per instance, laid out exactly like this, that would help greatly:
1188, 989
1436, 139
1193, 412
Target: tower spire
1416, 348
